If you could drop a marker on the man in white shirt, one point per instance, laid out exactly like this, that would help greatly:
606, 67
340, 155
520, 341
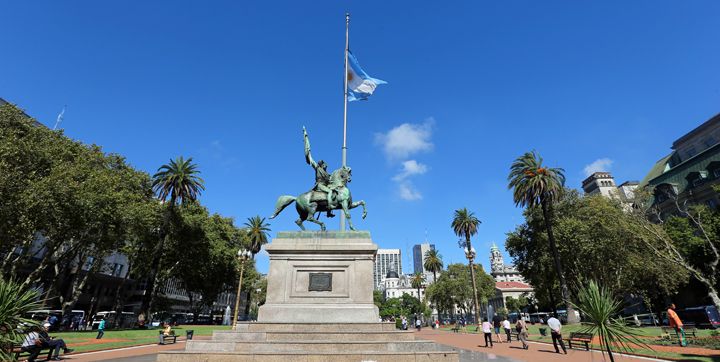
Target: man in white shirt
29, 345
506, 327
556, 333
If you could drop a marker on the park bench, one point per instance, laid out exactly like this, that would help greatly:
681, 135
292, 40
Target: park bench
514, 334
669, 333
580, 337
170, 337
19, 353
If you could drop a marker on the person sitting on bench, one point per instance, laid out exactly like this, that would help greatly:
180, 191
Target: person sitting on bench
51, 342
31, 344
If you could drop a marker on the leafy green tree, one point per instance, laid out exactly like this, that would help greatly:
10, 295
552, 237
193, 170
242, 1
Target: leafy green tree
465, 225
433, 262
516, 304
690, 240
257, 230
600, 309
378, 298
453, 288
601, 243
417, 281
536, 185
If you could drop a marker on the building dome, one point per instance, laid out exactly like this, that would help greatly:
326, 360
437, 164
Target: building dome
392, 274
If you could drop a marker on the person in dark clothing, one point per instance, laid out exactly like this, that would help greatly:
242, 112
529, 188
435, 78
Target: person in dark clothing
497, 323
50, 342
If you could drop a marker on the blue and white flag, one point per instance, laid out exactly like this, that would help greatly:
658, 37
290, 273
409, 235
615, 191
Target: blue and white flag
360, 84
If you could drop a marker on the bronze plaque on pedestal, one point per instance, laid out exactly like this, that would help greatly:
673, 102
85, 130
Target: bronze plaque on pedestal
320, 282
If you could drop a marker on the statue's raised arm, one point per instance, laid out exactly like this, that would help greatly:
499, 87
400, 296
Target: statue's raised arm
308, 156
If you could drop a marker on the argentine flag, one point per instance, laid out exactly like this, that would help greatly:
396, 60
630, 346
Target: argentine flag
360, 84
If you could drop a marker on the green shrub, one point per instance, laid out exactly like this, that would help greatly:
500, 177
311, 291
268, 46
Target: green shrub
14, 303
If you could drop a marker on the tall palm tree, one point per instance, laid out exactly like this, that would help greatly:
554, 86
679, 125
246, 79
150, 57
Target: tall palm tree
179, 180
417, 281
257, 230
536, 185
465, 225
433, 262
174, 182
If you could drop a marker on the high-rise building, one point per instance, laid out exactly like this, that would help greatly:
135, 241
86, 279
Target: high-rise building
419, 251
385, 261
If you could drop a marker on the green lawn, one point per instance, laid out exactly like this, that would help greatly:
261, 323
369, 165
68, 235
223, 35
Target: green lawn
644, 331
85, 341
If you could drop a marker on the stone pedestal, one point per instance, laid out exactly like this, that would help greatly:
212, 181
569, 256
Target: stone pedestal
320, 277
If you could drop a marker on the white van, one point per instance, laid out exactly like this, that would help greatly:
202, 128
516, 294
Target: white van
112, 320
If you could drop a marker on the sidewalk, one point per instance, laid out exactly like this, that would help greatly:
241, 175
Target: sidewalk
146, 350
538, 352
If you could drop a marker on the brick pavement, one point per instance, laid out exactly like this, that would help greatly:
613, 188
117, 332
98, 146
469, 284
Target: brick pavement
538, 352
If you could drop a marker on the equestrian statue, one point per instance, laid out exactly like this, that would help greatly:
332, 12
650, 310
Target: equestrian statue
329, 193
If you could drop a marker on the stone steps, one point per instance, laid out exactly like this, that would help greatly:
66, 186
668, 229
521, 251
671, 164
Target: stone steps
315, 327
312, 336
205, 356
314, 346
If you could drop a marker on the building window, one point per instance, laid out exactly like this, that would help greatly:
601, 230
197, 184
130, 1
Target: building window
691, 152
710, 141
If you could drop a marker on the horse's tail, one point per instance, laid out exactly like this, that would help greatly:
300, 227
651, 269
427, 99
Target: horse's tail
281, 204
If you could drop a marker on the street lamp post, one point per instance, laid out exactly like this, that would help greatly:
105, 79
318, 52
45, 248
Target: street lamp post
243, 255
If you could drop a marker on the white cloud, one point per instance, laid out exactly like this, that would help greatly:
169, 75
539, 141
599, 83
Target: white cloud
408, 192
410, 168
601, 164
406, 139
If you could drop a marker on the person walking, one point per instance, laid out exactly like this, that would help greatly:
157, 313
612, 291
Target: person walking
676, 323
487, 332
521, 328
556, 333
101, 329
497, 323
506, 327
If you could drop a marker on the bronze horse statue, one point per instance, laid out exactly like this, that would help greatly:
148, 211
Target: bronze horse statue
309, 203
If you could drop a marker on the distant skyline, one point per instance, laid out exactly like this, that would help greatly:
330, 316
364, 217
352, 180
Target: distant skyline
600, 86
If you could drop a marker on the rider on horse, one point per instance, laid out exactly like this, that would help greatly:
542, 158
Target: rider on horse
322, 177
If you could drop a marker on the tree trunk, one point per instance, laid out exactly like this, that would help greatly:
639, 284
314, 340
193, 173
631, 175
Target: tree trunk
571, 318
474, 285
119, 298
79, 283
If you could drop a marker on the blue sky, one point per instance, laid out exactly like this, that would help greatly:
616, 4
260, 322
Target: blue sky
472, 85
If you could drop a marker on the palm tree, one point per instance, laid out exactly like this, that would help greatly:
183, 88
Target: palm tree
433, 262
417, 281
178, 181
257, 230
465, 225
535, 185
600, 308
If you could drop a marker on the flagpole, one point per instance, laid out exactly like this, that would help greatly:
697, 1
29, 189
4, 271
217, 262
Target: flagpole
345, 102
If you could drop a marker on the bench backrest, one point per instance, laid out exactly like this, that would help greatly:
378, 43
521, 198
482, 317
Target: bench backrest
579, 335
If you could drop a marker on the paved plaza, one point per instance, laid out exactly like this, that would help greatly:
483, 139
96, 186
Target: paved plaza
470, 344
